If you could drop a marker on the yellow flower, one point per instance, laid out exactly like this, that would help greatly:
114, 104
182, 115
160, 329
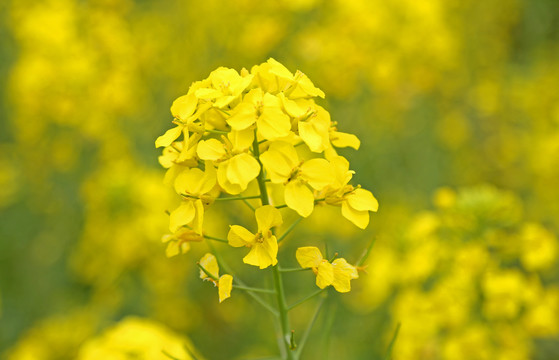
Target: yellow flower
313, 122
224, 282
265, 110
224, 86
197, 188
283, 166
338, 273
179, 242
263, 245
355, 201
236, 167
273, 77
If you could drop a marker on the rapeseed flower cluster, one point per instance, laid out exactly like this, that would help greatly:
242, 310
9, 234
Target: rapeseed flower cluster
259, 126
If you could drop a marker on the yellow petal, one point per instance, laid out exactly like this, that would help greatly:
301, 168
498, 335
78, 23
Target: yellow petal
343, 273
342, 174
299, 198
280, 159
244, 116
362, 200
207, 93
273, 123
211, 149
198, 220
169, 136
308, 88
324, 275
359, 218
225, 286
224, 182
292, 107
209, 262
311, 136
238, 236
340, 139
184, 106
308, 256
318, 173
242, 169
263, 254
241, 140
267, 217
182, 215
176, 247
224, 101
279, 70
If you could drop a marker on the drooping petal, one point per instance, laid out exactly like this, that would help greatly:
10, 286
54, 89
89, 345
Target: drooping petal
209, 262
169, 136
238, 236
362, 200
279, 70
263, 254
211, 149
294, 108
189, 181
184, 106
342, 174
225, 286
359, 218
341, 140
318, 173
308, 256
242, 169
299, 198
324, 275
182, 215
267, 217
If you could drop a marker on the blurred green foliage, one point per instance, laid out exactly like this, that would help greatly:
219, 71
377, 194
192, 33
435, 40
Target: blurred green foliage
453, 94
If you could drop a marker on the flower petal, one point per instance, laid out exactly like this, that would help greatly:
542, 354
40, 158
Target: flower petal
209, 262
359, 218
343, 273
318, 173
267, 217
362, 200
324, 275
184, 106
263, 254
340, 139
182, 215
225, 286
169, 136
211, 149
238, 236
242, 169
299, 198
308, 256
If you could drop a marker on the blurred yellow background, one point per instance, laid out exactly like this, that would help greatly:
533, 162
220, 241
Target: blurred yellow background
456, 104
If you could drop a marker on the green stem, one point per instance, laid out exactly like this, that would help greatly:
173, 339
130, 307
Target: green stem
214, 238
249, 205
216, 131
278, 284
366, 253
238, 198
228, 270
309, 328
308, 297
247, 288
293, 269
289, 229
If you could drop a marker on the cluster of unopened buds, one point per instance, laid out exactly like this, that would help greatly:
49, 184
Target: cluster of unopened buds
261, 126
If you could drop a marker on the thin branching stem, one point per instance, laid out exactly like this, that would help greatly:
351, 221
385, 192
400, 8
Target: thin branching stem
289, 229
309, 328
306, 298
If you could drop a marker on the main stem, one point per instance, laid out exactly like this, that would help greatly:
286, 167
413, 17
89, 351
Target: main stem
278, 283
